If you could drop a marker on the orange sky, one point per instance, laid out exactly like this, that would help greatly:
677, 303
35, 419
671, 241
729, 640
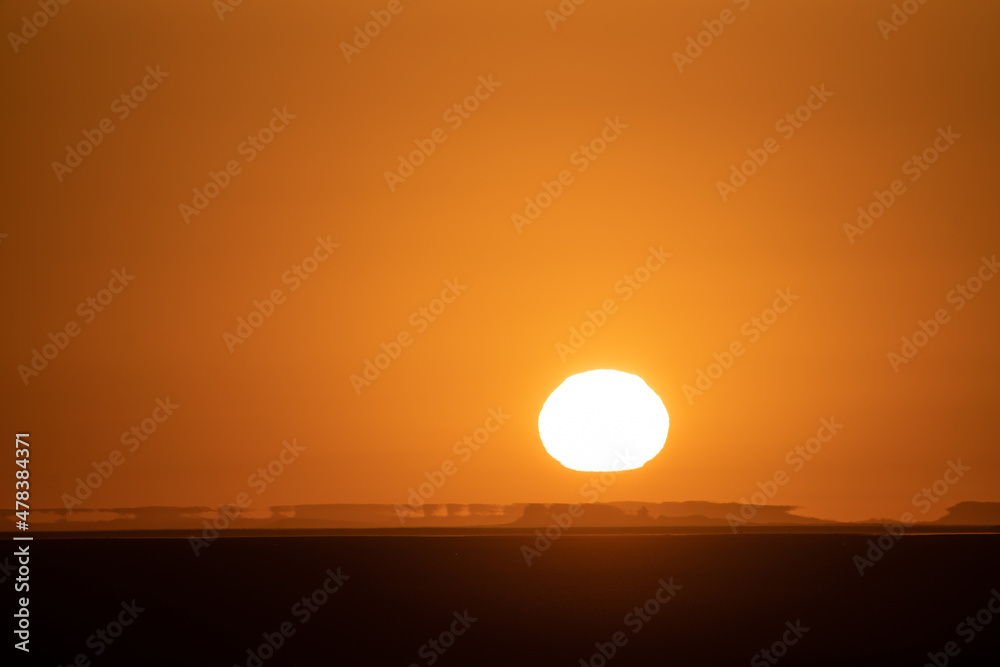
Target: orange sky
313, 185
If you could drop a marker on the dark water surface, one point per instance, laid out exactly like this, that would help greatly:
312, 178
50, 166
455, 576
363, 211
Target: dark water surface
737, 594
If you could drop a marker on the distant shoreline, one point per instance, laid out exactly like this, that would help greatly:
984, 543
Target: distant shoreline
488, 531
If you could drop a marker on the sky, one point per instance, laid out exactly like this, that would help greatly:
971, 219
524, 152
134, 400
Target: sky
460, 193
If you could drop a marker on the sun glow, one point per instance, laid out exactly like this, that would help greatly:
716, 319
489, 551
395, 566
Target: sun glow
603, 420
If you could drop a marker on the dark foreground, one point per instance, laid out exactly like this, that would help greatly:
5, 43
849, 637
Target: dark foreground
732, 597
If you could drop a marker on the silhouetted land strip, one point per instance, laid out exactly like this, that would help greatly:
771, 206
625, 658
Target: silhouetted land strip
738, 592
840, 529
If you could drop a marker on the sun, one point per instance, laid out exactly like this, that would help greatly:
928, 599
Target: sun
603, 420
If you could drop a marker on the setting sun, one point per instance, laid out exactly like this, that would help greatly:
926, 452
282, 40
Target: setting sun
355, 332
603, 420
